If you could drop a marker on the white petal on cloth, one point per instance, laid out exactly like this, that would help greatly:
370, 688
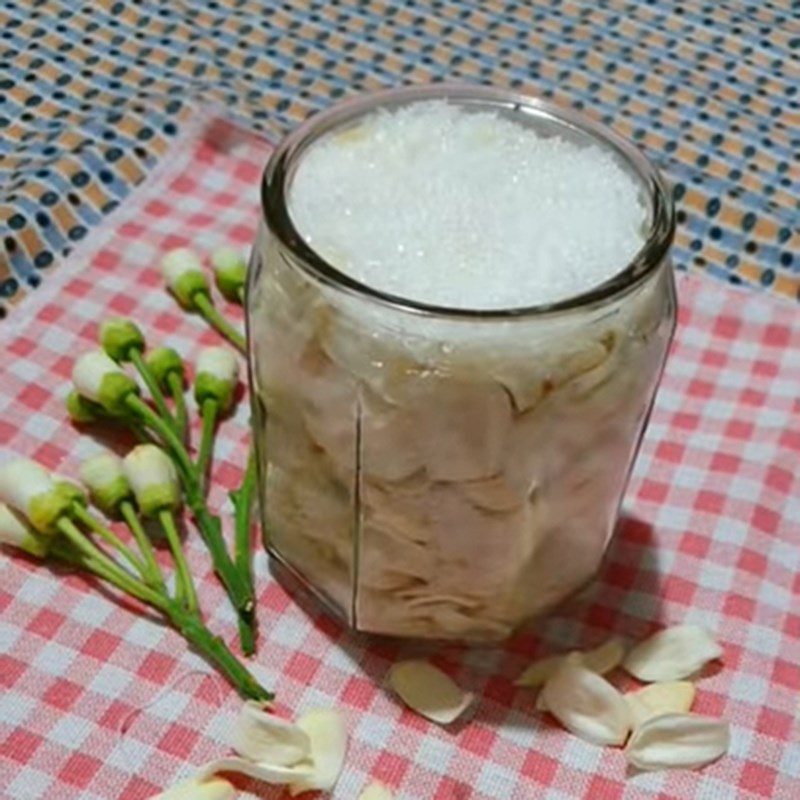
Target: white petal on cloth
656, 699
428, 691
328, 734
671, 741
672, 654
587, 704
261, 736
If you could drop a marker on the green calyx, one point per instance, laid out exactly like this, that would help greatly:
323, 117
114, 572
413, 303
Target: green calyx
71, 492
36, 546
209, 387
44, 510
158, 497
109, 496
188, 286
81, 409
114, 389
230, 273
162, 362
119, 336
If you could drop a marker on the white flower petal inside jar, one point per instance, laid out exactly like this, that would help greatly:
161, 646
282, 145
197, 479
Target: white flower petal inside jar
459, 307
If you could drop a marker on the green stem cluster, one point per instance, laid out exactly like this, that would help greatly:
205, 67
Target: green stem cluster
182, 612
239, 589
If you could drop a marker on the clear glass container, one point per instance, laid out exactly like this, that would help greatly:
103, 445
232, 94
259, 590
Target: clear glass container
447, 472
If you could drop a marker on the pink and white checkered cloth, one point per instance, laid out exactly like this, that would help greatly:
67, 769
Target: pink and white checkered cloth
101, 702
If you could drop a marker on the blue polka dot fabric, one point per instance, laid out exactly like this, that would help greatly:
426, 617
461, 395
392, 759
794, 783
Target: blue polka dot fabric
92, 93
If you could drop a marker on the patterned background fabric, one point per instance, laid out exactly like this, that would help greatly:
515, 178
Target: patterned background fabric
98, 703
91, 93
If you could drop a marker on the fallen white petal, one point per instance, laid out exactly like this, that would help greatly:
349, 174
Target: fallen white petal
672, 741
263, 737
328, 736
606, 657
601, 660
194, 789
428, 691
269, 773
538, 673
376, 791
672, 654
669, 697
587, 705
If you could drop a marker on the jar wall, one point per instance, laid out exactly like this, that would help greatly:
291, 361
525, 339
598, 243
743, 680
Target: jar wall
441, 477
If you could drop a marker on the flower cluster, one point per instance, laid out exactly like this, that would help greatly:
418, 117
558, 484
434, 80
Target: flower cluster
105, 527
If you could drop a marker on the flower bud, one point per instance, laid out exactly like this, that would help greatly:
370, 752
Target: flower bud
28, 488
152, 476
162, 362
217, 375
102, 475
184, 276
81, 409
118, 336
230, 272
16, 533
100, 379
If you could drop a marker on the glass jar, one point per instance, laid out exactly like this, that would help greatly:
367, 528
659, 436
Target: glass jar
447, 472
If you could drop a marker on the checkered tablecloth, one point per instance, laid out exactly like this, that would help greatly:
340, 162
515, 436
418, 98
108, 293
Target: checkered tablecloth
101, 702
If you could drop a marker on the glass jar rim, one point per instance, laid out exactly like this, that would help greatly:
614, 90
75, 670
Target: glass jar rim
280, 168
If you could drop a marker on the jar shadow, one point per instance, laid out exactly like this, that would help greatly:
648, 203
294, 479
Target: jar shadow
622, 599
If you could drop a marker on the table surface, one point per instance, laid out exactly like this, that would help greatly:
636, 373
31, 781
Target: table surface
94, 92
101, 704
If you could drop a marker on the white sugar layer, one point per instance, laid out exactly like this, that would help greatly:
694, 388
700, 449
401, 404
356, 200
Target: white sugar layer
467, 210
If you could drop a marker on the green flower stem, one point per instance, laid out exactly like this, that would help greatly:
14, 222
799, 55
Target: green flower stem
187, 623
216, 319
216, 651
150, 381
209, 525
175, 385
242, 500
208, 413
111, 538
122, 578
184, 586
153, 575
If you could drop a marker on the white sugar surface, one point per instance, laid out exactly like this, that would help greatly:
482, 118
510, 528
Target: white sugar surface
467, 210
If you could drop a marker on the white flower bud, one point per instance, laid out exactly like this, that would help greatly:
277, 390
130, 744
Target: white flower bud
178, 262
218, 362
90, 369
14, 532
102, 475
152, 476
21, 481
184, 276
99, 378
28, 488
217, 375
